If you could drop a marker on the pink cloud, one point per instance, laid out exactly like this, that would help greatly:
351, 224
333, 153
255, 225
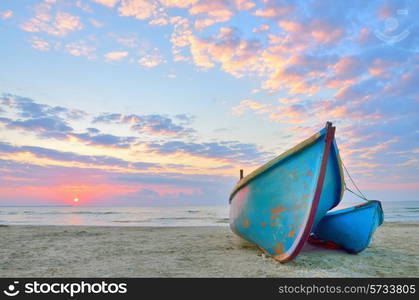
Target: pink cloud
59, 25
39, 44
214, 11
139, 9
81, 48
6, 14
151, 60
318, 30
244, 4
108, 3
235, 55
178, 3
116, 56
294, 114
381, 67
275, 10
258, 108
261, 28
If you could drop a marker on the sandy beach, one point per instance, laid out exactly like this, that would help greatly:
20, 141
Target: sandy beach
79, 251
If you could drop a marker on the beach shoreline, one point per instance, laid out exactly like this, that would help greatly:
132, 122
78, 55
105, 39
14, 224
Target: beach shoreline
97, 251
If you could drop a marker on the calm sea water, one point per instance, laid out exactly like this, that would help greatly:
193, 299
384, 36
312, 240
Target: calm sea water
157, 216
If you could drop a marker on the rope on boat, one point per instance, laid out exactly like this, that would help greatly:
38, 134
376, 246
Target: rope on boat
360, 195
349, 190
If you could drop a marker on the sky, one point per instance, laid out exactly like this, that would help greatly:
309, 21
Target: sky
161, 102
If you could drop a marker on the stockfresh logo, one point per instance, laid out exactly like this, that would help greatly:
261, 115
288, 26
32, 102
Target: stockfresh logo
72, 289
11, 290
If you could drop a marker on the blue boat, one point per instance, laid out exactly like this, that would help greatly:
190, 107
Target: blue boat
350, 228
277, 205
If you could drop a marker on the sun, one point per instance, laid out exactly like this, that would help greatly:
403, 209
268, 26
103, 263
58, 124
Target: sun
76, 200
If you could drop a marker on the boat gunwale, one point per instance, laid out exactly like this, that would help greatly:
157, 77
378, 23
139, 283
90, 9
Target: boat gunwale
262, 169
357, 207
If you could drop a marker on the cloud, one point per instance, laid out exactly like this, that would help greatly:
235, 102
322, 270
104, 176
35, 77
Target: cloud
151, 60
139, 9
214, 11
116, 56
108, 3
229, 150
96, 23
7, 14
261, 28
38, 125
59, 24
81, 48
178, 3
236, 56
93, 137
51, 122
276, 9
104, 184
28, 108
60, 156
39, 44
149, 124
244, 105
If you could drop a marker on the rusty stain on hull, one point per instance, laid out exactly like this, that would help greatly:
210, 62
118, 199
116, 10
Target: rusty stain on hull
279, 249
292, 233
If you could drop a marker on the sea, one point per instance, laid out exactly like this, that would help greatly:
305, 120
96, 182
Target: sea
400, 211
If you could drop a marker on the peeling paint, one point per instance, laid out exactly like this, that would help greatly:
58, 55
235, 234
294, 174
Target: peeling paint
279, 249
292, 233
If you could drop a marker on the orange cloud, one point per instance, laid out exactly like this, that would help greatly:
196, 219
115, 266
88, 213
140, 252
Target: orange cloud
59, 25
236, 56
257, 107
39, 44
96, 23
115, 56
261, 28
6, 14
178, 3
244, 4
294, 114
151, 60
380, 67
139, 9
215, 11
81, 48
108, 3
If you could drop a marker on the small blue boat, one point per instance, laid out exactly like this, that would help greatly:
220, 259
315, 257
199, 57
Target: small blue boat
350, 228
277, 205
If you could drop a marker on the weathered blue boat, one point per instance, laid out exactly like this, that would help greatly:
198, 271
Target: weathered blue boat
351, 228
277, 205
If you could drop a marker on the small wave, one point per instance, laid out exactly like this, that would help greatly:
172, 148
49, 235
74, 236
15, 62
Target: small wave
129, 221
80, 213
224, 220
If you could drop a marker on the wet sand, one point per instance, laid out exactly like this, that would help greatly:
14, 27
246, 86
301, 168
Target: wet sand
78, 251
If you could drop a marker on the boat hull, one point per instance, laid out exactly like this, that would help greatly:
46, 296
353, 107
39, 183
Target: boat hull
276, 206
351, 228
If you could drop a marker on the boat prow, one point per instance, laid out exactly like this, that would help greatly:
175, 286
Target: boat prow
277, 205
352, 227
